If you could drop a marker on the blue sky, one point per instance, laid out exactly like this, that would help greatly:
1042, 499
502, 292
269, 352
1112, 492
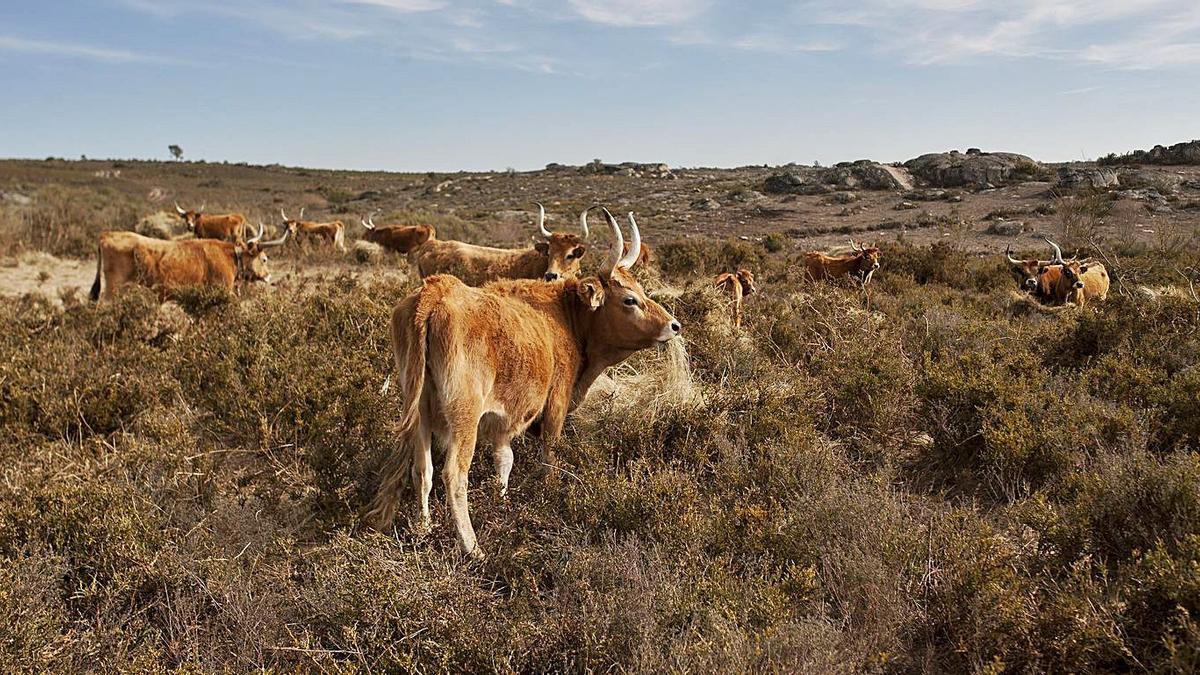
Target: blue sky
490, 84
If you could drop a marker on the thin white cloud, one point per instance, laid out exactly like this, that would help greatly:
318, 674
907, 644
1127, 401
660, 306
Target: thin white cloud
402, 6
11, 43
1130, 34
776, 44
640, 12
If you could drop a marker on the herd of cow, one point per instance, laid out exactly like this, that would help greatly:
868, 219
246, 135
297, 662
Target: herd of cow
496, 341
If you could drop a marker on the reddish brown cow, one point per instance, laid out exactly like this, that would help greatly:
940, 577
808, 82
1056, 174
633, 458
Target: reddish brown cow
332, 232
861, 264
736, 285
126, 258
228, 226
398, 238
500, 357
1080, 282
556, 257
1038, 277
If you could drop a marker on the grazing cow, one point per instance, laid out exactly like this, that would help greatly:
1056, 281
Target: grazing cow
126, 258
861, 264
556, 257
1081, 281
505, 355
398, 238
228, 227
736, 285
1038, 277
333, 232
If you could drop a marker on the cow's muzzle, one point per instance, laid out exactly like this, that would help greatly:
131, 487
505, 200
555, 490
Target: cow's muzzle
551, 276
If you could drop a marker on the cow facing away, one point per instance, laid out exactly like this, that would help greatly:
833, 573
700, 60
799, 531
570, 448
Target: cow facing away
227, 227
1080, 282
399, 238
126, 258
860, 264
736, 285
505, 355
555, 257
332, 233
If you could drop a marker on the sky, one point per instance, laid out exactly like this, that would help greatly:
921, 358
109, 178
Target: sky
443, 85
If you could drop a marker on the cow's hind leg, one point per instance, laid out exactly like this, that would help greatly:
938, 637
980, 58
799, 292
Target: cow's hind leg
460, 448
502, 456
422, 469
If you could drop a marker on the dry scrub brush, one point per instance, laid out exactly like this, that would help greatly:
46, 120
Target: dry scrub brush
928, 482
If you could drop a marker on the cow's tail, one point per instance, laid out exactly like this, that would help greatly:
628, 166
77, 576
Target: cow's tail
339, 237
409, 328
95, 293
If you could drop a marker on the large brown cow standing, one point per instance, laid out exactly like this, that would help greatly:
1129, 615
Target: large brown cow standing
332, 232
556, 257
227, 227
513, 352
861, 264
126, 258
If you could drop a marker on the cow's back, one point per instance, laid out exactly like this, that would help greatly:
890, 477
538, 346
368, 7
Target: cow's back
503, 348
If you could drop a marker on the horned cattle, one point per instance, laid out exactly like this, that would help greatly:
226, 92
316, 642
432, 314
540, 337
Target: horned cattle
500, 357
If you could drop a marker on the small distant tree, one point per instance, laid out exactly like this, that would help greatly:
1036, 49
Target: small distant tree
176, 151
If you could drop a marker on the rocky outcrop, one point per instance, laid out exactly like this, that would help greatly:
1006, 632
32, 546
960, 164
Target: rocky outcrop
627, 169
975, 169
847, 176
1077, 178
1180, 153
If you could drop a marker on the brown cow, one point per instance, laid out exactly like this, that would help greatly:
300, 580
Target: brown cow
1038, 277
512, 352
1081, 282
126, 258
333, 232
736, 285
398, 238
557, 257
228, 227
861, 264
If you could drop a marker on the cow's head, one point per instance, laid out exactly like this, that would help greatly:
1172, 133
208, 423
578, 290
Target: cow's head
252, 256
562, 251
1028, 272
190, 218
624, 318
290, 225
1072, 270
868, 258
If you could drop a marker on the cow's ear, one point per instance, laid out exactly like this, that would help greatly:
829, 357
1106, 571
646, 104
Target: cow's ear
579, 251
1083, 269
591, 293
542, 247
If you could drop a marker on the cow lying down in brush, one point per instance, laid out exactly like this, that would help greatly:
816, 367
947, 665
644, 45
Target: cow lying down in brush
499, 358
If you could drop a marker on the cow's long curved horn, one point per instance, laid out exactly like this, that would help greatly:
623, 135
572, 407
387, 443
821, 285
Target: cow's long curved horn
283, 215
275, 242
855, 246
261, 228
301, 216
635, 245
1008, 254
583, 222
180, 210
542, 221
1058, 259
202, 205
367, 224
618, 245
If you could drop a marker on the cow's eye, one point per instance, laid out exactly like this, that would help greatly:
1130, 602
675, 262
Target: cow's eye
631, 301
